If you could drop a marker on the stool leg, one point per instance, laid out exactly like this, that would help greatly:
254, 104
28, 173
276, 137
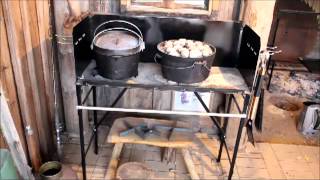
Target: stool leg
113, 163
189, 163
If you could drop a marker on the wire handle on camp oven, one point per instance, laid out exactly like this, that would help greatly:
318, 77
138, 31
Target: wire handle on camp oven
139, 34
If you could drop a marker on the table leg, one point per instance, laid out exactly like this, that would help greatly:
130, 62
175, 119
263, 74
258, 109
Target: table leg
95, 129
236, 147
271, 74
83, 156
224, 126
215, 122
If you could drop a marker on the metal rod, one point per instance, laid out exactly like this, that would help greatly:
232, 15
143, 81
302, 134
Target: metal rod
271, 73
208, 111
87, 95
236, 147
236, 103
290, 11
83, 157
95, 129
224, 127
96, 125
112, 105
149, 111
89, 143
221, 132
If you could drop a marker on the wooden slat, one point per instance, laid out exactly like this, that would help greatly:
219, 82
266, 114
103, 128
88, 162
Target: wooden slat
7, 82
12, 15
35, 68
225, 10
42, 8
189, 163
178, 139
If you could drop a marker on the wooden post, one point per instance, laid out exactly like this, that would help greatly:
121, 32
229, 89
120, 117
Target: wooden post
35, 68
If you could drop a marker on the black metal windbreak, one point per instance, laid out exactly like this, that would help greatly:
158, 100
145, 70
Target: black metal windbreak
237, 44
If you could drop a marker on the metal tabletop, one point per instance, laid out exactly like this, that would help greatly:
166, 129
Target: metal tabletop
221, 79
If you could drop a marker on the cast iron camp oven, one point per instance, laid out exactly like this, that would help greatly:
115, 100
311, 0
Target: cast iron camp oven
117, 49
184, 70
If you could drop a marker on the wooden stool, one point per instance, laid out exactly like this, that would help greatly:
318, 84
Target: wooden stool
178, 139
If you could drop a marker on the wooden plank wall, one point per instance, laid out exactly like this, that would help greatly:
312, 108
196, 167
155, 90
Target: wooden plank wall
254, 14
28, 81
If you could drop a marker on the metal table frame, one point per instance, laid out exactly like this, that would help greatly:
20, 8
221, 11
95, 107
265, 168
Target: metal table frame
243, 116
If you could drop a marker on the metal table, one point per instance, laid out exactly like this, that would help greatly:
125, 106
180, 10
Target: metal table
221, 79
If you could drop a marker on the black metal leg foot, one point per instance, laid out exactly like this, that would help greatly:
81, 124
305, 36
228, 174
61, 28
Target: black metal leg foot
271, 74
95, 119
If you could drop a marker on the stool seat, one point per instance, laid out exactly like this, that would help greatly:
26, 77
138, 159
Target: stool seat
177, 139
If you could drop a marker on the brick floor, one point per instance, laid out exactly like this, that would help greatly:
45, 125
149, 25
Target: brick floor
264, 161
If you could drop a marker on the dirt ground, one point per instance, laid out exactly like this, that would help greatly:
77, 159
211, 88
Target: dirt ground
280, 126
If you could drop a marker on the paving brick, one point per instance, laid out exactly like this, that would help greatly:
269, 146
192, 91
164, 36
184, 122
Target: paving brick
270, 160
105, 151
102, 161
196, 159
298, 174
310, 153
98, 173
253, 173
127, 145
208, 177
225, 165
250, 163
71, 149
137, 155
315, 168
140, 146
126, 153
158, 166
152, 148
182, 176
152, 156
163, 175
180, 164
285, 152
123, 160
294, 165
72, 158
206, 160
74, 167
89, 170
